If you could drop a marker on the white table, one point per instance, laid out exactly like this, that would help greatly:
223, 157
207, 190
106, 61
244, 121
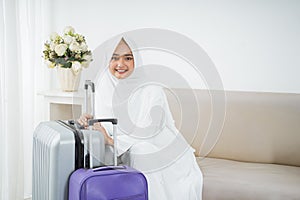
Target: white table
62, 105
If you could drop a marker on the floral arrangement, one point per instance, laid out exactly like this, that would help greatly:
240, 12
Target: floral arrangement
67, 51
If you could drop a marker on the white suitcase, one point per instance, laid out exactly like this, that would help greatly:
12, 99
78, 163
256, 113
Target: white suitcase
59, 148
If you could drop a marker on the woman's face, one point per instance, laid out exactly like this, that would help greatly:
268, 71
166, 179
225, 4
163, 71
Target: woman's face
122, 62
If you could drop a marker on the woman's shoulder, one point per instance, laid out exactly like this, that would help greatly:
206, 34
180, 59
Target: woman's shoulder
152, 89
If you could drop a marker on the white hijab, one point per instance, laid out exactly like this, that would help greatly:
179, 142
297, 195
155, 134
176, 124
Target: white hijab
125, 98
141, 109
106, 83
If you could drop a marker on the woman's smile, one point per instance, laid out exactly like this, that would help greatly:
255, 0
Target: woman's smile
121, 71
122, 61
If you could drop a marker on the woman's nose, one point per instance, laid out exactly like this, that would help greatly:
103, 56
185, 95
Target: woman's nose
121, 61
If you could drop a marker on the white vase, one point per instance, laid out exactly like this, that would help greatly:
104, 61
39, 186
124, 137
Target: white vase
69, 81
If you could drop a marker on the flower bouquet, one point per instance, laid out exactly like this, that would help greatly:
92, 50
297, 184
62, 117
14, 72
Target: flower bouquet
68, 53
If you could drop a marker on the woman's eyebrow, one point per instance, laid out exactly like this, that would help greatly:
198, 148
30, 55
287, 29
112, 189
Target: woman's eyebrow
127, 54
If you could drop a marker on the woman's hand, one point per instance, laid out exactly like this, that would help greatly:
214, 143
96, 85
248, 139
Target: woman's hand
83, 120
98, 127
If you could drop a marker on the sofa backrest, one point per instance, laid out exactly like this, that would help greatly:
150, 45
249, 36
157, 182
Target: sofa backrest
258, 127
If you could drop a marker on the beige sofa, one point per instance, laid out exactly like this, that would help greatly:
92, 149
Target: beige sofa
256, 155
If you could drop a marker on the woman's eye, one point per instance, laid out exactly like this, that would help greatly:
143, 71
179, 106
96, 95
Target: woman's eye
128, 58
114, 58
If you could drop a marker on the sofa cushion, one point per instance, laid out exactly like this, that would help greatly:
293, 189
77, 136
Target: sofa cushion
227, 179
258, 127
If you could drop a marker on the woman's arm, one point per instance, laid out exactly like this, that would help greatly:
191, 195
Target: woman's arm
83, 121
98, 127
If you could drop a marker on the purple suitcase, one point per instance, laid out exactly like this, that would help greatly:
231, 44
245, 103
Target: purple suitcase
108, 182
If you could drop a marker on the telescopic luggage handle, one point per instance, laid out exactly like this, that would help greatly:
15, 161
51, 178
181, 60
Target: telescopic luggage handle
114, 122
89, 83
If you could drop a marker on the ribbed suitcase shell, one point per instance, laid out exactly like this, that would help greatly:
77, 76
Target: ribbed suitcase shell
58, 150
108, 183
53, 161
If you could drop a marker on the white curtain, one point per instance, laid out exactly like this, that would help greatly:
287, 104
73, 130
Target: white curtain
21, 76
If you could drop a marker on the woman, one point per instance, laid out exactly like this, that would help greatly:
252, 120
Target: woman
147, 137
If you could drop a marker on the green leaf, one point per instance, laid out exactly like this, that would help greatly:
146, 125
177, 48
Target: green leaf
61, 61
67, 65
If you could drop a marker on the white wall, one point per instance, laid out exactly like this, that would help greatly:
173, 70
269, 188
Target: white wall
254, 44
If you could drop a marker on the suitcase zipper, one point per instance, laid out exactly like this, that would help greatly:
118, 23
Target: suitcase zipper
135, 197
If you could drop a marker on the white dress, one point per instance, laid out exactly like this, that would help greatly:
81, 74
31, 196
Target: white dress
147, 137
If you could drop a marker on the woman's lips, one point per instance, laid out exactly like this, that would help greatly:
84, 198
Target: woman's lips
121, 71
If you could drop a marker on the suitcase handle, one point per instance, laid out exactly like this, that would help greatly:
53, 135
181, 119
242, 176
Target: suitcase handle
87, 84
114, 121
104, 168
91, 122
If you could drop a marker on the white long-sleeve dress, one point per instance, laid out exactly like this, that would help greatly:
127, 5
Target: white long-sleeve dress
147, 137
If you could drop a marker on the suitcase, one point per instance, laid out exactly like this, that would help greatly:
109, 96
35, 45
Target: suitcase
108, 182
59, 148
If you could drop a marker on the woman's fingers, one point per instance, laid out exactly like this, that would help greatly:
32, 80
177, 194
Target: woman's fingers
98, 126
83, 120
87, 116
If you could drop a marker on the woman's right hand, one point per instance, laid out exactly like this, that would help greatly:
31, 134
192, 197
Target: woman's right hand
98, 127
83, 120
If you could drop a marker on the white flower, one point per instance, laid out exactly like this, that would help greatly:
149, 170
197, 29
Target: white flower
88, 58
76, 67
74, 46
54, 36
69, 30
52, 45
60, 49
68, 39
83, 46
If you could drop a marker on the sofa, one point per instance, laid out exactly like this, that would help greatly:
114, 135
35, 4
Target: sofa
256, 153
